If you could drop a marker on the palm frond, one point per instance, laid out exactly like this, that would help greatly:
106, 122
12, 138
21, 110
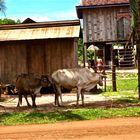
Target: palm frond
2, 6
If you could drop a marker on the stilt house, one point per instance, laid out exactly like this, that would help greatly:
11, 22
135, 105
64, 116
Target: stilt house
106, 23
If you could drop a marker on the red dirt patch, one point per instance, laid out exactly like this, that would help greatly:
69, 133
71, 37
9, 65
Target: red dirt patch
107, 129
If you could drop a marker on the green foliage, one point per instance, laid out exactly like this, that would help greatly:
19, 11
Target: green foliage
134, 11
90, 54
67, 115
80, 49
9, 21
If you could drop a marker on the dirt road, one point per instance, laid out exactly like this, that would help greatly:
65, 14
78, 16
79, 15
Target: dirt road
108, 129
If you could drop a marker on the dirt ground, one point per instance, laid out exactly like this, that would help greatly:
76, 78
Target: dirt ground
105, 129
45, 103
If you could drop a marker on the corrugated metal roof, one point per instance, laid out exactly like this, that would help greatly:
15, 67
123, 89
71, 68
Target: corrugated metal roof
102, 2
26, 32
42, 24
40, 33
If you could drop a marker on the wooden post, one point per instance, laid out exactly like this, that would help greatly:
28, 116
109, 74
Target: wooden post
113, 70
114, 78
104, 57
105, 84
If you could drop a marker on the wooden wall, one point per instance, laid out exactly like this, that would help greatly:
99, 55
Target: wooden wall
100, 24
36, 56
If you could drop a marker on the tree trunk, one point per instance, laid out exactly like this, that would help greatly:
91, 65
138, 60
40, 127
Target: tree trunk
138, 57
138, 46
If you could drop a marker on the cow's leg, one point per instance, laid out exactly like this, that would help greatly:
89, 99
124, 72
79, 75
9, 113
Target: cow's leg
82, 96
19, 99
78, 95
33, 96
25, 96
57, 95
56, 99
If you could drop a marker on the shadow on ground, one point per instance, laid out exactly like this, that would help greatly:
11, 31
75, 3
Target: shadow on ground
44, 108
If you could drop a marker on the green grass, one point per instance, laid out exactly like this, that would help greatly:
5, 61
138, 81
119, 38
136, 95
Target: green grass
127, 84
120, 94
127, 99
124, 82
127, 81
67, 115
126, 94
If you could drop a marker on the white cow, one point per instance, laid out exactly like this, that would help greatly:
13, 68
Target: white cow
81, 78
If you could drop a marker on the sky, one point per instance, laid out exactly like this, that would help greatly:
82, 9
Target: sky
41, 10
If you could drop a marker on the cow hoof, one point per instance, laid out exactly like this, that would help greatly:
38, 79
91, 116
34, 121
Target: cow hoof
77, 105
18, 105
83, 105
59, 105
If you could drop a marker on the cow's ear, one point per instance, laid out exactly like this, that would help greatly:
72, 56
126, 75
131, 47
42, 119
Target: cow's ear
103, 72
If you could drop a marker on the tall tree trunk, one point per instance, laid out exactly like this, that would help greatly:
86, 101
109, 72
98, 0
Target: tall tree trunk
138, 57
138, 46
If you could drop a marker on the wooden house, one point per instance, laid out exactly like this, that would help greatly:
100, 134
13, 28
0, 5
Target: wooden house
105, 23
38, 48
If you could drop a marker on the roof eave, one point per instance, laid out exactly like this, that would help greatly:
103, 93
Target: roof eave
41, 24
80, 9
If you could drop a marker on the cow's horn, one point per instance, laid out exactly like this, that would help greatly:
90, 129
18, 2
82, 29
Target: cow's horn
104, 76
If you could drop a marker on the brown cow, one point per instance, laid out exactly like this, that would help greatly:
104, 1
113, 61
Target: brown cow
30, 84
81, 78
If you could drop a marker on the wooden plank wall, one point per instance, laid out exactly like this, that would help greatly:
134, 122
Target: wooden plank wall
60, 53
39, 57
12, 61
100, 24
35, 56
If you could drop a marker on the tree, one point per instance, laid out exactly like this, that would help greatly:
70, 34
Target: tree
9, 21
2, 6
138, 43
135, 9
